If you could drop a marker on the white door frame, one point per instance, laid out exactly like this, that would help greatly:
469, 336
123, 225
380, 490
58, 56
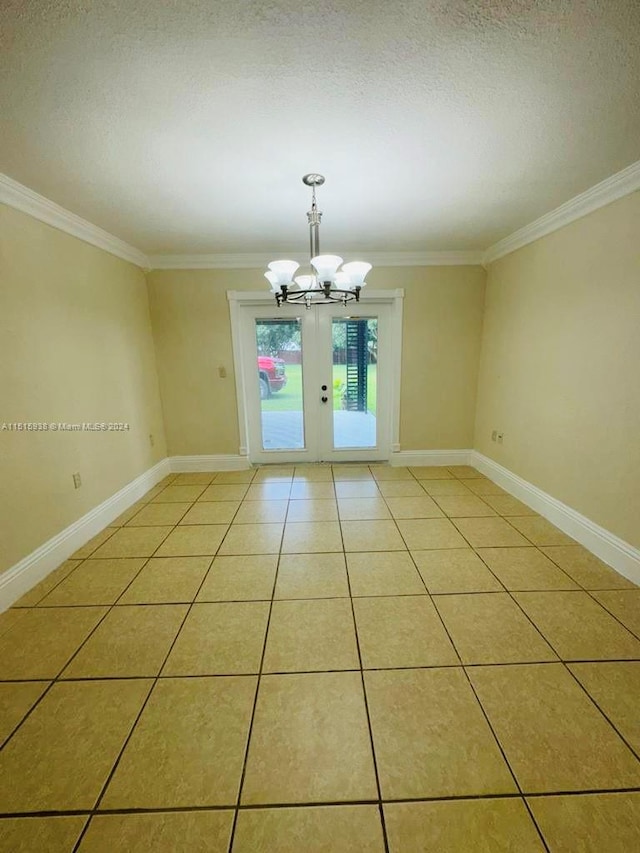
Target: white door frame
238, 300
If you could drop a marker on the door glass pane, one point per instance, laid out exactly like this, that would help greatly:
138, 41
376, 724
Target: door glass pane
279, 344
355, 368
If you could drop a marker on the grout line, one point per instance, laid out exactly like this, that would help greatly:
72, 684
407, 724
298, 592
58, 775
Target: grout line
142, 707
610, 612
231, 674
537, 795
127, 525
146, 701
38, 603
555, 563
385, 838
488, 721
564, 662
58, 678
505, 759
525, 803
634, 751
255, 699
284, 673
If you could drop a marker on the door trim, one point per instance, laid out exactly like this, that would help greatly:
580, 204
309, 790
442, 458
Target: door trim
395, 298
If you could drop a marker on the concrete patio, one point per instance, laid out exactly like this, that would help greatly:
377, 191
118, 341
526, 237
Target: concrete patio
284, 430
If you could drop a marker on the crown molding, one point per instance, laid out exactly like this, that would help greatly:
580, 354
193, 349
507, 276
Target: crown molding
219, 262
260, 260
426, 259
22, 198
611, 189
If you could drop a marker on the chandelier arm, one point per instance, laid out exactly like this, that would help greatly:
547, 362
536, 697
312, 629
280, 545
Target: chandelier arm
318, 297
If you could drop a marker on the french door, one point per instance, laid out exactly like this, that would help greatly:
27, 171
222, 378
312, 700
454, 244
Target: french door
318, 384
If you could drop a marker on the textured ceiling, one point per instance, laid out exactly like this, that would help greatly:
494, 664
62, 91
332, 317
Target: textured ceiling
186, 126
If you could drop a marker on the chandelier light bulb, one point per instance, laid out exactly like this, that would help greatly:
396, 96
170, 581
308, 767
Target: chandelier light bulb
326, 266
272, 278
343, 281
284, 271
306, 282
357, 270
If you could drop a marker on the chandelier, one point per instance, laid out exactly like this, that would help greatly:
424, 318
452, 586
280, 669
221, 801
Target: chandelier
327, 283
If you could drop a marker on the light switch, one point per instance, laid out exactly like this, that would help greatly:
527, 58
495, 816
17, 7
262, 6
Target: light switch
222, 372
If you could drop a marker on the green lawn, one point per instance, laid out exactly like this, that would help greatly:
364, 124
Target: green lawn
289, 399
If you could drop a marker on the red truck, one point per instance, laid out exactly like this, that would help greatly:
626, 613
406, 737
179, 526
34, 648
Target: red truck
271, 374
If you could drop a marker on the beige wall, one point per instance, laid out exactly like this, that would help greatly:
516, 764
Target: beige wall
441, 345
560, 366
75, 345
442, 330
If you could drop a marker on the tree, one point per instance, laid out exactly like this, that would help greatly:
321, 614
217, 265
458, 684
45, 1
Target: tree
275, 335
340, 340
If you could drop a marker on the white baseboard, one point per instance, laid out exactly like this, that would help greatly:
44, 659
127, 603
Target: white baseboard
221, 462
617, 553
35, 566
20, 578
429, 457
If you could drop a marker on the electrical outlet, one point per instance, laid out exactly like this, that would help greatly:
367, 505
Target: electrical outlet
152, 440
500, 437
494, 435
77, 481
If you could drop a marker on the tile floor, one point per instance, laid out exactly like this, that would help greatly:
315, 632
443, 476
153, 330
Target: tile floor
323, 659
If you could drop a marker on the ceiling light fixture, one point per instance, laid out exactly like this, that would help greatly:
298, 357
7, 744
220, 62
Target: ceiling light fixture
327, 283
